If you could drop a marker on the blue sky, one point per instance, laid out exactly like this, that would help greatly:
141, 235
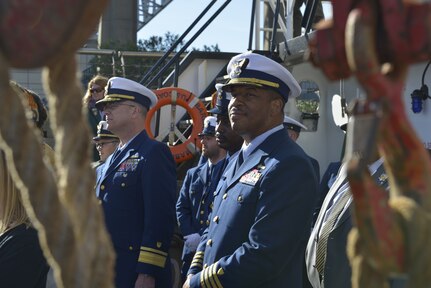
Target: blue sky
230, 30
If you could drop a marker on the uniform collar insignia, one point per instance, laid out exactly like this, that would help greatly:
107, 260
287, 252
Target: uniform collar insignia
136, 155
261, 167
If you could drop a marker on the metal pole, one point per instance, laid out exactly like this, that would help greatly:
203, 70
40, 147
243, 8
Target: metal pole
274, 27
123, 63
113, 63
147, 75
176, 72
253, 11
310, 11
188, 43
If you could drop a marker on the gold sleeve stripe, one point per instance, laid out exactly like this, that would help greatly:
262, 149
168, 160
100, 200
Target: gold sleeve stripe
153, 259
204, 282
154, 251
201, 278
198, 256
216, 274
196, 265
254, 81
209, 277
197, 260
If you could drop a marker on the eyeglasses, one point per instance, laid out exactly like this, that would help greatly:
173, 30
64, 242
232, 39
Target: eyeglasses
113, 106
97, 90
101, 144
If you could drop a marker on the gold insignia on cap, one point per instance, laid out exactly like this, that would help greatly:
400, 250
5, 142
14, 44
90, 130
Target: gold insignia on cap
383, 178
238, 67
159, 244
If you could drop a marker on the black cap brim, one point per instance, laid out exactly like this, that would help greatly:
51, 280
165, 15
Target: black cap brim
101, 103
216, 110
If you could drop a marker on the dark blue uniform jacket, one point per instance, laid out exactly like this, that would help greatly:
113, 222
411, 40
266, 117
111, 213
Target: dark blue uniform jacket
195, 203
196, 197
261, 215
138, 194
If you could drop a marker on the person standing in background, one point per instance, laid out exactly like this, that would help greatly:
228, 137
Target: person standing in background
22, 263
326, 254
294, 129
106, 143
226, 138
39, 115
95, 92
196, 196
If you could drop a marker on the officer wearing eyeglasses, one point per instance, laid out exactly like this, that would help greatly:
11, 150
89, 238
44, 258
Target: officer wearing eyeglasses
137, 189
105, 142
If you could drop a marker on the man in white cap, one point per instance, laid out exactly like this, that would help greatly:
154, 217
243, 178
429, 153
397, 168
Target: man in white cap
137, 189
197, 193
294, 129
263, 203
106, 142
225, 136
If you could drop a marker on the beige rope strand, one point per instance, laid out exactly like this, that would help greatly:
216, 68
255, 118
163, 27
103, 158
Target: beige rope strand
76, 177
24, 155
64, 209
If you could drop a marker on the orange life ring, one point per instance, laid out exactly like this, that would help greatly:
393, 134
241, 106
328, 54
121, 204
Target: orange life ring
194, 107
214, 97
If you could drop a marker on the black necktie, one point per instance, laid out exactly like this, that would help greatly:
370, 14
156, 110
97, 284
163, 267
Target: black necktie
226, 162
239, 161
210, 175
115, 155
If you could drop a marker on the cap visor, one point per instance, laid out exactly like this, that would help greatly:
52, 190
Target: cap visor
215, 110
233, 82
206, 134
101, 103
97, 138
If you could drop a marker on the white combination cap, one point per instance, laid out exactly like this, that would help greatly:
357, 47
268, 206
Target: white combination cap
257, 70
292, 124
120, 89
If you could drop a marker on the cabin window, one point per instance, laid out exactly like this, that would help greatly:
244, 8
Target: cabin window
308, 104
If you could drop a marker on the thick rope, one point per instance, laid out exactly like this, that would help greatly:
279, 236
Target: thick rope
71, 229
61, 204
76, 177
23, 149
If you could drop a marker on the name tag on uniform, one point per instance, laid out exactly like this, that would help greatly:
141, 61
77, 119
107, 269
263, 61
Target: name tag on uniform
251, 177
